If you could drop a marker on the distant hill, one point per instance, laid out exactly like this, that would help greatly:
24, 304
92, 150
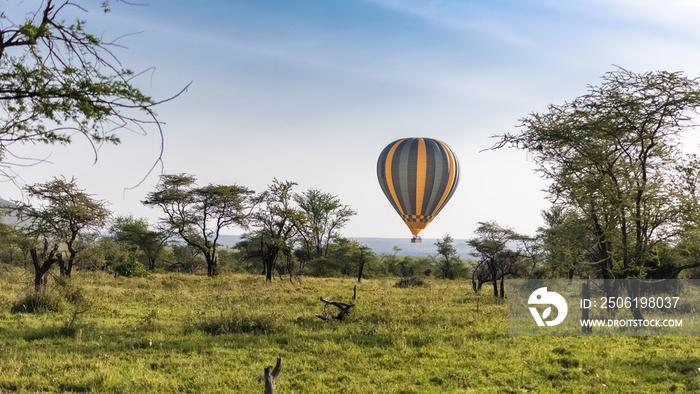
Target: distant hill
5, 203
386, 245
4, 216
378, 245
427, 248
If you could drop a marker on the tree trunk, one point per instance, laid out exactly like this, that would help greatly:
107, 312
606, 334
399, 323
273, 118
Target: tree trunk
476, 284
42, 264
503, 289
39, 281
65, 269
494, 278
362, 266
585, 312
211, 265
448, 270
269, 265
39, 271
633, 292
211, 268
269, 255
69, 266
62, 269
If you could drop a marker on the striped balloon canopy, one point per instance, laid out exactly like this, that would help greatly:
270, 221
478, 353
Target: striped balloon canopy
418, 176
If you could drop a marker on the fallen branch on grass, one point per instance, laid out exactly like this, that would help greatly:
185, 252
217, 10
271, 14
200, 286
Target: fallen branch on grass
344, 310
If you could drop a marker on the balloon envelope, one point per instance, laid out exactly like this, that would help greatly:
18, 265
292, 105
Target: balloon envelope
418, 176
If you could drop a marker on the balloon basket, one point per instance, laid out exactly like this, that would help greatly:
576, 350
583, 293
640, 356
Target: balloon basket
416, 240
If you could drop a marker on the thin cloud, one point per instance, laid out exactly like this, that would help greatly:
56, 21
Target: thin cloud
458, 16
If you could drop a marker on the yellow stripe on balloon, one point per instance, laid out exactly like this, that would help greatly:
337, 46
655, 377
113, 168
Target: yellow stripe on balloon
421, 168
450, 180
387, 171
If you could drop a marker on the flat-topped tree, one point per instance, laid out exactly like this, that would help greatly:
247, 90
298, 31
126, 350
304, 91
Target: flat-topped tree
198, 214
62, 214
500, 251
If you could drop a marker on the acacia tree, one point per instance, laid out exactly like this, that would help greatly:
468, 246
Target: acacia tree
135, 231
325, 216
57, 81
64, 213
198, 214
567, 243
448, 256
277, 222
613, 157
493, 245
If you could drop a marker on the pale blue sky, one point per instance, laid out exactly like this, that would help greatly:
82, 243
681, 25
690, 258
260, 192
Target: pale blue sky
312, 91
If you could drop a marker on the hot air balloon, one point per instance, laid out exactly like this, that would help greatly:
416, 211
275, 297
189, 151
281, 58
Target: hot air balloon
418, 176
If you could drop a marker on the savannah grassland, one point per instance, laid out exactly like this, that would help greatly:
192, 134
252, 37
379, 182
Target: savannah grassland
184, 333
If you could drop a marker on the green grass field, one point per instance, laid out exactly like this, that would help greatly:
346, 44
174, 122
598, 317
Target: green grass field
184, 333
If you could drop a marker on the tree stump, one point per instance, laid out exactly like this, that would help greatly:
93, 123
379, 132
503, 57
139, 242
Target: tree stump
271, 376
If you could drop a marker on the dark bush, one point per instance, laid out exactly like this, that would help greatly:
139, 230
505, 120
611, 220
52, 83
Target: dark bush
325, 268
131, 269
43, 302
411, 281
51, 333
236, 322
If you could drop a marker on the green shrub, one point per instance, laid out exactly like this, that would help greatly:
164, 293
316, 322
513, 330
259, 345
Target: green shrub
236, 321
324, 268
42, 302
50, 332
131, 269
410, 281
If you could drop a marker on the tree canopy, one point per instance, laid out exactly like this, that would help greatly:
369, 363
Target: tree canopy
613, 158
500, 253
277, 222
62, 214
57, 80
137, 232
448, 256
199, 213
325, 217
